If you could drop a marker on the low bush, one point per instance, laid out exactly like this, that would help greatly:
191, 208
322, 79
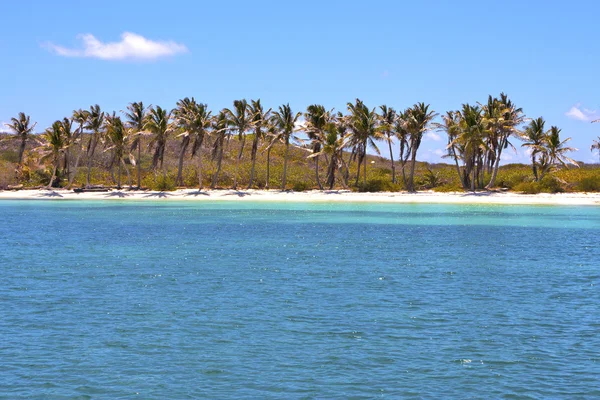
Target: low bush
301, 186
159, 182
547, 185
589, 184
378, 185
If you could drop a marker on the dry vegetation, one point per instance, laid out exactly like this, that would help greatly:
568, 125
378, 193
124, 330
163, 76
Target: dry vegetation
301, 173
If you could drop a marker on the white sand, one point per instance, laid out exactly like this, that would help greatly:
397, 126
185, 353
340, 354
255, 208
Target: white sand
341, 196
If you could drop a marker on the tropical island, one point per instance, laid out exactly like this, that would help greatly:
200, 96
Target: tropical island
251, 147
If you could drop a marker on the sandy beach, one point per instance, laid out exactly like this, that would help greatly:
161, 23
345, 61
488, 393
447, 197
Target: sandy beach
340, 196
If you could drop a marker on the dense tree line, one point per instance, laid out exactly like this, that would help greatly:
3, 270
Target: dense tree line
477, 137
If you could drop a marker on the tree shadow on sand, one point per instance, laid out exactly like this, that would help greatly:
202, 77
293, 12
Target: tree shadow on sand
477, 194
336, 191
197, 193
50, 193
118, 194
160, 195
238, 193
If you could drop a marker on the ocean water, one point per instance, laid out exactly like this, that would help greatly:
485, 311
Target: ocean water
119, 300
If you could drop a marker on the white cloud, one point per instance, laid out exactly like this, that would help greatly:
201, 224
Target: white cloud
131, 46
581, 114
433, 136
439, 152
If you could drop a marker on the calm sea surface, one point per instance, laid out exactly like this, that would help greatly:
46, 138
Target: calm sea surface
123, 300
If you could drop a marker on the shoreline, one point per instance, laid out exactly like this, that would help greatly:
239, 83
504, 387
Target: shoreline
314, 196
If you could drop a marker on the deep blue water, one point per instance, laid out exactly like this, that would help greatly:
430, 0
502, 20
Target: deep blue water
221, 300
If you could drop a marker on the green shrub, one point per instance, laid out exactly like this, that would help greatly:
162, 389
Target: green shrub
159, 182
450, 187
301, 186
527, 188
547, 185
551, 185
589, 184
378, 185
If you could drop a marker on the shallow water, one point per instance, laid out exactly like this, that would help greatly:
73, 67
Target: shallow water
283, 300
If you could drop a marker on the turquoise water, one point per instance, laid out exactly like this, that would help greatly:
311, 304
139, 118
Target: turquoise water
222, 300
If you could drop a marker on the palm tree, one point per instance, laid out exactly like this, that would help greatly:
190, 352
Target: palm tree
20, 126
388, 123
80, 117
271, 138
200, 121
450, 125
136, 119
503, 119
316, 118
554, 151
333, 145
417, 121
259, 119
220, 128
404, 150
596, 146
284, 121
94, 124
158, 124
118, 141
69, 138
53, 147
470, 140
183, 116
363, 125
241, 120
533, 136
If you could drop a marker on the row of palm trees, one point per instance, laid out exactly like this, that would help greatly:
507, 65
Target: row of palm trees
477, 136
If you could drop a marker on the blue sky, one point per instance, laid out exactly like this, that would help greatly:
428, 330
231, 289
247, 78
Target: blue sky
545, 55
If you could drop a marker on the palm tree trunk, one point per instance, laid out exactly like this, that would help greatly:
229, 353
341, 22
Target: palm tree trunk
403, 161
72, 176
200, 185
139, 165
347, 171
473, 178
237, 163
411, 177
128, 174
317, 172
392, 162
119, 177
331, 175
268, 168
218, 171
358, 171
90, 154
53, 174
365, 167
184, 145
254, 150
496, 165
462, 181
285, 160
22, 148
162, 163
534, 166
